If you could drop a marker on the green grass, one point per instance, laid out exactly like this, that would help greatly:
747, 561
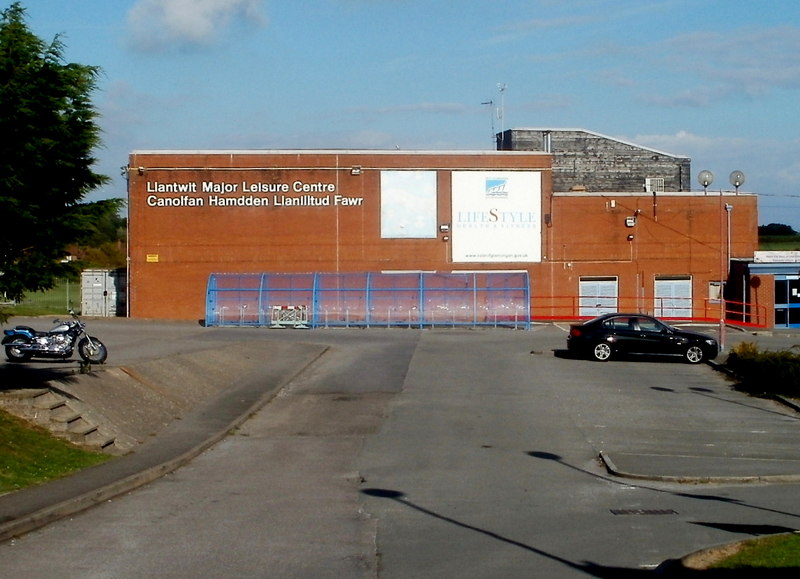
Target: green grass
33, 310
776, 552
779, 243
30, 455
55, 301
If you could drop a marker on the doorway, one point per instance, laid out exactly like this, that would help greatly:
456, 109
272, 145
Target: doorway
787, 301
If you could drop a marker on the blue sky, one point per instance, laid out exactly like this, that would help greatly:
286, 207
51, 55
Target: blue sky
715, 80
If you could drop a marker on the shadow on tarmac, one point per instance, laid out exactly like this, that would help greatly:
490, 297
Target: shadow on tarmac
671, 568
26, 376
558, 459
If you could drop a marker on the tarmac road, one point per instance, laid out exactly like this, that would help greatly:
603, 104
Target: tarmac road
445, 453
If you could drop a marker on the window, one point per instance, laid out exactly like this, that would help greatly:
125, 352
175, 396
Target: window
620, 323
648, 325
715, 290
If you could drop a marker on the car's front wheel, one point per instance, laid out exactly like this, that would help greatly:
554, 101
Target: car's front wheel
601, 352
694, 354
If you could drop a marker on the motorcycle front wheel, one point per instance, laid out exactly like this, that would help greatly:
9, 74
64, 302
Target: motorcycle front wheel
92, 350
14, 353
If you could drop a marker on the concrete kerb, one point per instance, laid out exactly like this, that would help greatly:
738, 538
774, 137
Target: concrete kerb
85, 500
686, 479
612, 469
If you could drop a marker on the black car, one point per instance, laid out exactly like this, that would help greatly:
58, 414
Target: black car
611, 334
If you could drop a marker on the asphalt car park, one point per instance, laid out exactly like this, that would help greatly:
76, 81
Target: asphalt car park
407, 453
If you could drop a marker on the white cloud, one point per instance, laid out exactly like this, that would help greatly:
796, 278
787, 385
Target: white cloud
721, 66
694, 145
158, 24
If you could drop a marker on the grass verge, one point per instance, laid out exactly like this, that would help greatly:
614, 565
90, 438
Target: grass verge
778, 552
30, 455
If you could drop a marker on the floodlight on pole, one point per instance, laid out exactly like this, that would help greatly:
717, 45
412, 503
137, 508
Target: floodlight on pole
737, 180
705, 178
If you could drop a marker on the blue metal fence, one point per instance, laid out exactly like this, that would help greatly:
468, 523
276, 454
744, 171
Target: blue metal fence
415, 299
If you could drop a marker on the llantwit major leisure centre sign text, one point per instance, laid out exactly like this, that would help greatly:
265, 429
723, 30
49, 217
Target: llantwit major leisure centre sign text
246, 194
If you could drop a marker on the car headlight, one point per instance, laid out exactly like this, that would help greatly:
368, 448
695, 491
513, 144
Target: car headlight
711, 342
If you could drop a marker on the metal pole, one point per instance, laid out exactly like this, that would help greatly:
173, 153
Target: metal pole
722, 273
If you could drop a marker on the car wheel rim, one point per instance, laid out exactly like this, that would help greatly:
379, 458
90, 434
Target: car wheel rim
694, 355
602, 351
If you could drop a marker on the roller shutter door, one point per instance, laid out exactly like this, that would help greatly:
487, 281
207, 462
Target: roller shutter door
597, 296
673, 297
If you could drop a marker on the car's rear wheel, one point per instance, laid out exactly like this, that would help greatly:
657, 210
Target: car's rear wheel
694, 354
601, 352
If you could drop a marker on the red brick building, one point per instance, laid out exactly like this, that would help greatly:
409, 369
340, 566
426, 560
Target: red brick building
196, 213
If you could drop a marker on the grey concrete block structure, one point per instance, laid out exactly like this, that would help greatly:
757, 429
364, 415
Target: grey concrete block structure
585, 160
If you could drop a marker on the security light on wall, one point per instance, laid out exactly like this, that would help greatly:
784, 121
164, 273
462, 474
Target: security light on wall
444, 227
355, 170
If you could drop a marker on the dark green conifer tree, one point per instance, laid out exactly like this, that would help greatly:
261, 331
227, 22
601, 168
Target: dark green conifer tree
48, 131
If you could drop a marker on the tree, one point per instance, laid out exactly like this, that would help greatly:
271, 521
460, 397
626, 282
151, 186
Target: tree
48, 132
776, 229
103, 241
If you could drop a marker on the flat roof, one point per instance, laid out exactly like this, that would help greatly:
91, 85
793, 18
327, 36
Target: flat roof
488, 152
710, 194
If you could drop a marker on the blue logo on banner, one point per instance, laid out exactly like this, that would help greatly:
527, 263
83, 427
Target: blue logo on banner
496, 188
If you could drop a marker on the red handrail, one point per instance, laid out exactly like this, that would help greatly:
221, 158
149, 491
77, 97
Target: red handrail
575, 307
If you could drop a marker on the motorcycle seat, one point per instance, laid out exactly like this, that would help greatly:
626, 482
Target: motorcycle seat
25, 329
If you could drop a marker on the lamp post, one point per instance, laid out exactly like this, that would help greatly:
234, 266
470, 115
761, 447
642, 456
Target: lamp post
736, 179
706, 178
728, 209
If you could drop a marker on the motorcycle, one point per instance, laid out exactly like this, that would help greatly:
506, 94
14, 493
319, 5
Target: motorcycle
23, 343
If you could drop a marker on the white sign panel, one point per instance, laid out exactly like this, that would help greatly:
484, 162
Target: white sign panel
776, 257
496, 216
408, 204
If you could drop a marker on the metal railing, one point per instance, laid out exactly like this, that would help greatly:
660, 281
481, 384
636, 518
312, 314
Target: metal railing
65, 295
416, 300
574, 307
